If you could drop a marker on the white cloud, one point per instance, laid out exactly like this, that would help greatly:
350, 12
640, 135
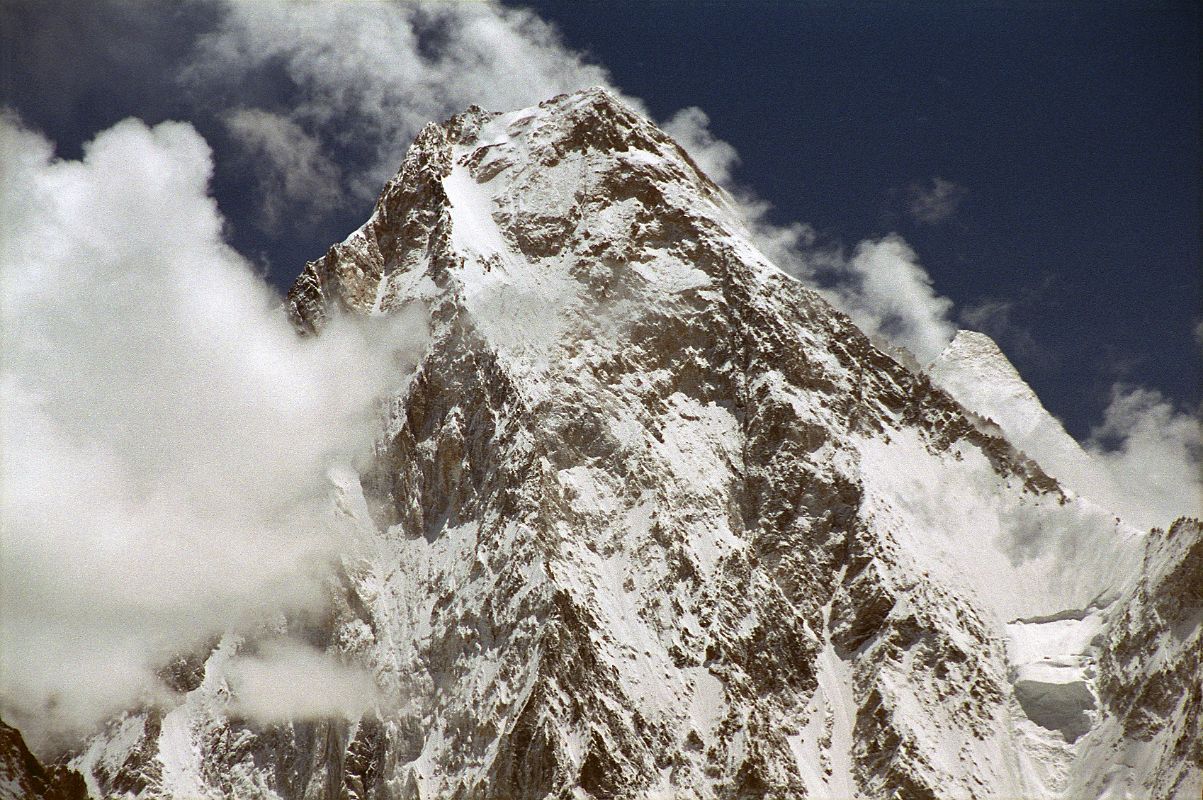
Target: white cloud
882, 285
370, 75
293, 171
1021, 554
889, 294
936, 201
791, 246
166, 435
284, 680
690, 127
1153, 456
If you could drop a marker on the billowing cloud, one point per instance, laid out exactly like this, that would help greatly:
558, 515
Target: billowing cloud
888, 293
362, 79
690, 127
935, 201
1152, 454
166, 434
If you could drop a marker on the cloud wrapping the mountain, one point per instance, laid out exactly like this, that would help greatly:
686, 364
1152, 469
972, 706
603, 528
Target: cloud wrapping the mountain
284, 680
364, 78
690, 127
166, 435
890, 294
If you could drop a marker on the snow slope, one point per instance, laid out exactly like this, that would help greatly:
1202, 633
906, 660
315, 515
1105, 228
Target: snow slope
653, 520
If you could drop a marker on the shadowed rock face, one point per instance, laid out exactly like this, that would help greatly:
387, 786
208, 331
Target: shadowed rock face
1150, 663
628, 531
23, 777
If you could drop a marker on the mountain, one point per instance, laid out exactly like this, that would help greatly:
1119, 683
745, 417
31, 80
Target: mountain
976, 373
23, 777
654, 520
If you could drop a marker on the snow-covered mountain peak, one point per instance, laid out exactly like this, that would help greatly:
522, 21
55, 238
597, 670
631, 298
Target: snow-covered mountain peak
973, 363
979, 376
653, 520
975, 372
520, 197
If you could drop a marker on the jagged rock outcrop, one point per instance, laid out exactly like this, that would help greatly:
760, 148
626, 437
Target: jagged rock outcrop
1151, 676
24, 777
654, 520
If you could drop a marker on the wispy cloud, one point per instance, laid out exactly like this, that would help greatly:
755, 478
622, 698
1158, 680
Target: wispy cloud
295, 175
1002, 321
882, 285
1153, 454
285, 680
355, 82
889, 294
934, 201
691, 128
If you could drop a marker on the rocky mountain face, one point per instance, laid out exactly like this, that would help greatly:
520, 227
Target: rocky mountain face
23, 777
652, 520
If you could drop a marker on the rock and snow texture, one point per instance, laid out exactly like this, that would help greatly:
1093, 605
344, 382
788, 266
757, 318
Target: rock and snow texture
976, 373
653, 520
23, 777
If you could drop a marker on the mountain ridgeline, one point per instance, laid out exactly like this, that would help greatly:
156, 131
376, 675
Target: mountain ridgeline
654, 520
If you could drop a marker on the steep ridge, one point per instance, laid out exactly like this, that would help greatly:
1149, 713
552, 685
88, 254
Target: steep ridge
976, 373
654, 520
23, 777
1151, 679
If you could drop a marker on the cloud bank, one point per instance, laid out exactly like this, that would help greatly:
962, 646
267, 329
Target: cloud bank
166, 435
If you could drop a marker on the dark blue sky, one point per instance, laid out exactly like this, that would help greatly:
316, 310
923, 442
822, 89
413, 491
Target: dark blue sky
1073, 128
